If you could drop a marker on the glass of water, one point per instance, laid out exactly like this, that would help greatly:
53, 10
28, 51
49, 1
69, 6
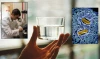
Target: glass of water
50, 28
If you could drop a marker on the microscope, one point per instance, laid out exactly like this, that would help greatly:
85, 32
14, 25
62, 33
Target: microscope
23, 24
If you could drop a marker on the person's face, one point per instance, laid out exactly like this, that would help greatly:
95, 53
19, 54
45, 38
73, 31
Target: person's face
14, 17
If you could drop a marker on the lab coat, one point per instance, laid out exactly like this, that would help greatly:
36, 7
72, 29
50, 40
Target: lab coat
9, 28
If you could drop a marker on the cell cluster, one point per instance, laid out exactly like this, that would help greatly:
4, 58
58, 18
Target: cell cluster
84, 26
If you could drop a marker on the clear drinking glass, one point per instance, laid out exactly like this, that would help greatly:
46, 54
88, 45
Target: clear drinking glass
50, 28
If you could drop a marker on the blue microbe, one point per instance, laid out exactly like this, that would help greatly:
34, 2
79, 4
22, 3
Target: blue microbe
91, 16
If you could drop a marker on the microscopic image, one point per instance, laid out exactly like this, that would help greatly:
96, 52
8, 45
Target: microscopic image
85, 25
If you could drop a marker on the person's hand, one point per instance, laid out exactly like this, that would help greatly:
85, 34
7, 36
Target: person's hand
32, 51
20, 29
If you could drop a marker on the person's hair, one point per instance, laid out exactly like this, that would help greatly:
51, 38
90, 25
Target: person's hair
16, 12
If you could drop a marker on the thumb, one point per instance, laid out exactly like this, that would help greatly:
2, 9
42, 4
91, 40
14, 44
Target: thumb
34, 35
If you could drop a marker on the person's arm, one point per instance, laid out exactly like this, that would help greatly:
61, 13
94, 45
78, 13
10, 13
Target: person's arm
7, 29
16, 25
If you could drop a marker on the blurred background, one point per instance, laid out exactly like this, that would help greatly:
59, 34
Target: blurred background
11, 48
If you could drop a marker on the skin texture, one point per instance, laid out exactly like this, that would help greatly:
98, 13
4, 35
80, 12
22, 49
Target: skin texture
32, 51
